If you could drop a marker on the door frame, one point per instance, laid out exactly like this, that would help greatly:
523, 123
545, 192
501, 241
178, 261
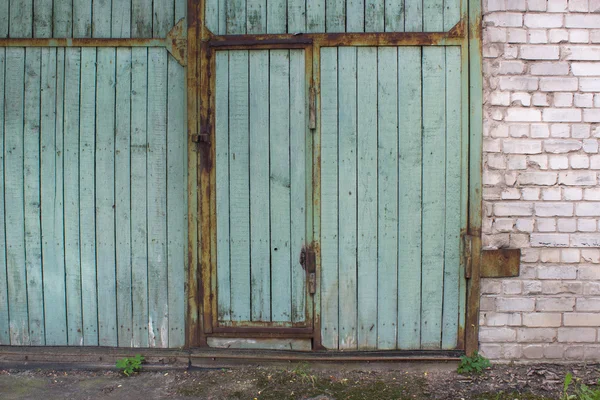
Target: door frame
467, 34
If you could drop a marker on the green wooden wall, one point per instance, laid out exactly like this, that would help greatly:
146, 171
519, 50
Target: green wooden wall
93, 231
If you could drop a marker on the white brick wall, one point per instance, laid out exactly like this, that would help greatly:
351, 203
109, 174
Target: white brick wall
541, 178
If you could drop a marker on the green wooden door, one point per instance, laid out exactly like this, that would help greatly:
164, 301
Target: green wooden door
263, 186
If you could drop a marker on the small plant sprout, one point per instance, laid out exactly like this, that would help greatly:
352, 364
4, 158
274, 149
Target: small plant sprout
582, 392
130, 365
474, 364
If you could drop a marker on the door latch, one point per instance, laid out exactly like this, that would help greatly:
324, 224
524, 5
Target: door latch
308, 260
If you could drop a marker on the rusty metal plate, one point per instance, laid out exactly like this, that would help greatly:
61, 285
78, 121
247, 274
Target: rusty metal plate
500, 263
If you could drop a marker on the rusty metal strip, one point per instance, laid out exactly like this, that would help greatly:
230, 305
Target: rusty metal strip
262, 330
500, 263
175, 42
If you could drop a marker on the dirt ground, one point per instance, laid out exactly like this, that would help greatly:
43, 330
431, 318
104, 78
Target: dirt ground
501, 382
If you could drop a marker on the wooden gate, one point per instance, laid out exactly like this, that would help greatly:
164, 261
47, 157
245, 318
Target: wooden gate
339, 130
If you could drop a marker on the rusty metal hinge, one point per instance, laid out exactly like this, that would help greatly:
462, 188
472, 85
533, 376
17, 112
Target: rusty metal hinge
308, 260
176, 42
468, 254
203, 138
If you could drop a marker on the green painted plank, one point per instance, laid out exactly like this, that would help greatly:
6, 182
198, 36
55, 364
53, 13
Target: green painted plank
433, 15
453, 199
4, 8
52, 211
4, 321
347, 196
374, 16
222, 185
409, 197
239, 186
42, 18
335, 16
31, 181
13, 196
222, 19
163, 12
122, 156
105, 196
433, 196
256, 15
276, 16
413, 15
355, 18
279, 149
69, 68
329, 198
62, 19
101, 18
141, 18
235, 17
465, 197
121, 19
176, 202
387, 197
451, 13
139, 182
367, 197
82, 18
21, 19
315, 16
394, 16
180, 9
211, 15
158, 323
296, 19
87, 198
260, 263
298, 172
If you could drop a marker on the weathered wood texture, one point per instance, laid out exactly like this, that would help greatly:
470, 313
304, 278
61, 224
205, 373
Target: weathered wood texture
261, 185
93, 186
318, 16
391, 168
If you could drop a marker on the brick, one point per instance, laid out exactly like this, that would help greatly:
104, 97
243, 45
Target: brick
504, 19
541, 52
560, 115
517, 114
589, 272
511, 287
579, 161
500, 98
552, 193
583, 100
503, 319
591, 115
587, 225
557, 272
530, 193
572, 193
521, 99
516, 5
558, 146
574, 353
562, 287
539, 99
562, 84
555, 304
495, 34
580, 131
566, 225
591, 255
576, 335
582, 21
591, 288
522, 146
532, 287
536, 5
558, 36
581, 319
585, 240
524, 225
549, 239
516, 35
536, 335
542, 320
588, 304
578, 5
543, 20
577, 178
558, 162
550, 68
514, 304
491, 351
496, 334
533, 351
490, 286
570, 256
513, 209
549, 256
553, 209
546, 225
554, 351
557, 6
585, 69
537, 178
512, 67
588, 209
589, 84
592, 194
590, 146
582, 53
579, 36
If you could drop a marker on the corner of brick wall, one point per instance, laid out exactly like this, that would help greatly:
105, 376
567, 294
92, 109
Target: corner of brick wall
541, 169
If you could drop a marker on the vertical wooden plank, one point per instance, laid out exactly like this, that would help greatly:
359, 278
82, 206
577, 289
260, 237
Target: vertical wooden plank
387, 173
296, 19
122, 154
315, 16
14, 197
329, 197
451, 13
82, 18
68, 69
394, 15
276, 16
260, 261
298, 173
211, 15
409, 197
222, 185
121, 19
347, 200
235, 17
452, 200
139, 182
42, 19
367, 197
355, 17
31, 180
157, 197
52, 211
256, 16
21, 19
141, 18
4, 14
335, 18
374, 16
434, 164
433, 15
279, 150
4, 320
101, 18
239, 185
413, 15
163, 17
222, 19
62, 19
176, 202
87, 198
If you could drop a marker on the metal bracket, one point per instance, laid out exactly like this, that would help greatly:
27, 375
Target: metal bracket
308, 260
467, 252
500, 263
176, 42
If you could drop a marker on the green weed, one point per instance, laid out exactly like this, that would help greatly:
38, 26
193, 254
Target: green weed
474, 364
130, 365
